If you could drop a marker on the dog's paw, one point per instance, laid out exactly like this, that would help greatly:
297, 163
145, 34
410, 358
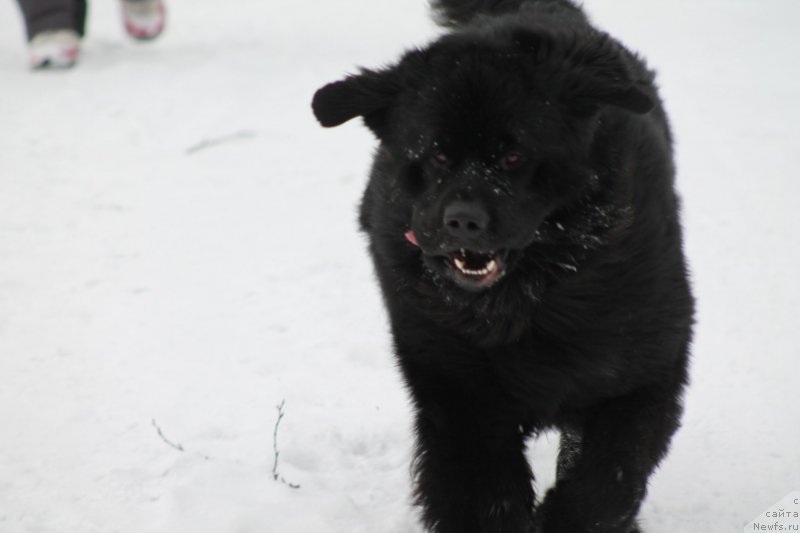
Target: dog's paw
556, 514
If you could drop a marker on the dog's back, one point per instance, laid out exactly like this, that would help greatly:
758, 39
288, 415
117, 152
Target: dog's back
455, 13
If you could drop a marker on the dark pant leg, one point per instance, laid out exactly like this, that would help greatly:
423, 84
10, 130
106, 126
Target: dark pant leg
41, 15
81, 9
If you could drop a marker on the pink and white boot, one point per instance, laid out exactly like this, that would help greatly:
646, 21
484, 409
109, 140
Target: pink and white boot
54, 49
144, 19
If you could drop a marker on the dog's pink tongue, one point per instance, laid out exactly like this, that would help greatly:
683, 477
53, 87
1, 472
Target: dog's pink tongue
410, 237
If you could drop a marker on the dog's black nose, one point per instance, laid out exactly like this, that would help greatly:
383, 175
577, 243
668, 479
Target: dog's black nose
465, 219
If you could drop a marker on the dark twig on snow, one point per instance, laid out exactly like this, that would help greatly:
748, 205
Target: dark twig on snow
165, 439
208, 143
275, 475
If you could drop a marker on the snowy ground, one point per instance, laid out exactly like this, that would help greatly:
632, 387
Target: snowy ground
149, 273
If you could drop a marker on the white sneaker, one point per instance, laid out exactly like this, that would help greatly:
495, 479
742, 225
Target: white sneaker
54, 49
144, 19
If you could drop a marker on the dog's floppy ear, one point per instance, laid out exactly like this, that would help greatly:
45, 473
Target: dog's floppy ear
589, 70
603, 72
368, 94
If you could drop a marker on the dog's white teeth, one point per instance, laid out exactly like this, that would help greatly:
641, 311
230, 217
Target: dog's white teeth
490, 267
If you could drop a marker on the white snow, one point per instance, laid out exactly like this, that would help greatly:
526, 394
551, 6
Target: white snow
178, 244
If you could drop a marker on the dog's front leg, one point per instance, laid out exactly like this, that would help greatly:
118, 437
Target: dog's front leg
603, 471
471, 473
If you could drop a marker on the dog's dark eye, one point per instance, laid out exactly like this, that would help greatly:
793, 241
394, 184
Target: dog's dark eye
511, 160
440, 159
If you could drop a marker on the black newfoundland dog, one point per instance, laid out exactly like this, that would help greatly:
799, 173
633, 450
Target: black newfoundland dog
524, 228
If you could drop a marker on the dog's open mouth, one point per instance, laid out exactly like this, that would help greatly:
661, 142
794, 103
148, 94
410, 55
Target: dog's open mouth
469, 269
475, 265
475, 270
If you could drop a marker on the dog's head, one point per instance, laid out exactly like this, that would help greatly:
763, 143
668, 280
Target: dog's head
485, 136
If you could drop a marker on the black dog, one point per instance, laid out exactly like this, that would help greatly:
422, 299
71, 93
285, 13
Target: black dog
524, 228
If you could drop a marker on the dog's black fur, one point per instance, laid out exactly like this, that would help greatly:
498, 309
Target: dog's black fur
524, 228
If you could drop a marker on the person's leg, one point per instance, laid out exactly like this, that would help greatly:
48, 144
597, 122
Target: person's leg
45, 15
54, 29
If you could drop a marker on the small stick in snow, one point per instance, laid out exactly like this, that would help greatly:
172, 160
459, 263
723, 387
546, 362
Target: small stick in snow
275, 475
208, 143
161, 434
